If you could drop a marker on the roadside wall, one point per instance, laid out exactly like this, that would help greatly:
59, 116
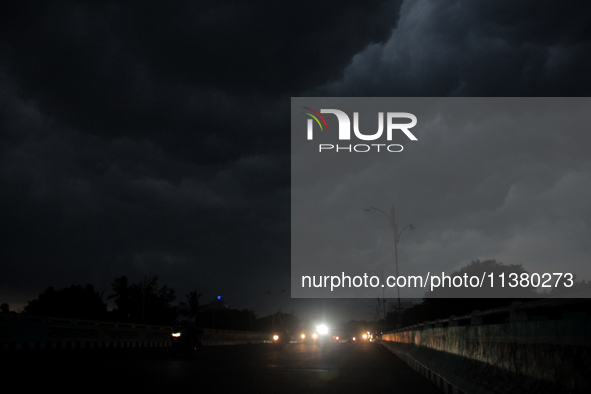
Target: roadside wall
533, 343
18, 332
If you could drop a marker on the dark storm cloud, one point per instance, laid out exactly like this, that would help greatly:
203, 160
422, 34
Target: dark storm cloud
147, 138
465, 48
170, 70
77, 201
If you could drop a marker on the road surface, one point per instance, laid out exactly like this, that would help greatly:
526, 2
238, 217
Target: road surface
297, 368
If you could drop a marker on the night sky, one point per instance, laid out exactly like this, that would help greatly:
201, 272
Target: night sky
153, 138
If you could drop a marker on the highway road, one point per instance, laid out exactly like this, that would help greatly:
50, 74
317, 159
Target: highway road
297, 368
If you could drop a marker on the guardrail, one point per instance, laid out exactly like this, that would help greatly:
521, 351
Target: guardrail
545, 309
20, 332
543, 342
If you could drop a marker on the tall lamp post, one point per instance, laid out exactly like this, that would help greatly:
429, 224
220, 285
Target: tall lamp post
392, 220
275, 305
382, 302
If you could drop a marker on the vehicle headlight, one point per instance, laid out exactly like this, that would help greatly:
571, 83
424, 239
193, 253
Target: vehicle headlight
176, 334
275, 337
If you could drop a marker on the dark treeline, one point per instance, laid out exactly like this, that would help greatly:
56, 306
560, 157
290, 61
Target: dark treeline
148, 302
443, 303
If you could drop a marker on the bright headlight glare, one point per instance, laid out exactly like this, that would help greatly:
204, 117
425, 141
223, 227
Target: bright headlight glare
322, 329
176, 334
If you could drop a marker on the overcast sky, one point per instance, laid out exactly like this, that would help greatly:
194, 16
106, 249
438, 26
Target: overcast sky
153, 138
487, 178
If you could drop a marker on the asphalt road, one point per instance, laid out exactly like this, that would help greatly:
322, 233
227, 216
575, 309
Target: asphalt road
297, 368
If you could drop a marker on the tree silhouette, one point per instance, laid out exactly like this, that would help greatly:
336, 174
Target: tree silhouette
443, 303
144, 302
193, 303
192, 307
121, 297
477, 270
576, 289
147, 302
71, 302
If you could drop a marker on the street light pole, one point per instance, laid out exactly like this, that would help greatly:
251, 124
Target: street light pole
392, 220
382, 302
275, 306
